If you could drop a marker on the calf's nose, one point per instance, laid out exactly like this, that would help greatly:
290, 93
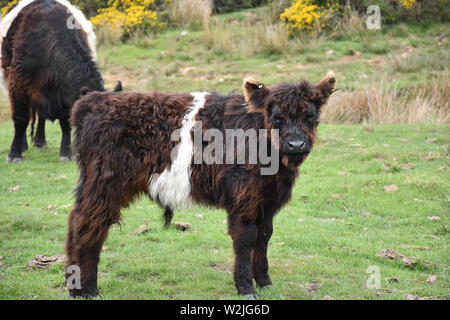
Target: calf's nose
297, 146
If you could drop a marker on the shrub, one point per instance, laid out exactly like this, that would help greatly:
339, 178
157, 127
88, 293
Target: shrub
90, 7
6, 6
193, 13
314, 15
307, 15
128, 16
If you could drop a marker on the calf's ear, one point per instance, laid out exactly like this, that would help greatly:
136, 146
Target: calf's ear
328, 84
118, 87
255, 92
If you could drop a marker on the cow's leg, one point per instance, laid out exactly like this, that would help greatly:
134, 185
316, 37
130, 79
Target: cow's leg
96, 209
21, 113
99, 199
24, 142
84, 243
244, 234
39, 138
65, 153
260, 265
89, 222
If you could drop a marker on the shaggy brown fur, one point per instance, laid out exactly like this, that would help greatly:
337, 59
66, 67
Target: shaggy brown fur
123, 139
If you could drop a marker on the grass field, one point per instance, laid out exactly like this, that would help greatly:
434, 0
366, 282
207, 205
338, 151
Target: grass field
324, 240
340, 217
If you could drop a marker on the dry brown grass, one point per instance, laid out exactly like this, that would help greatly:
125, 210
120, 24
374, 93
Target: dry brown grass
108, 35
252, 37
273, 38
192, 13
349, 24
413, 61
276, 7
379, 105
218, 35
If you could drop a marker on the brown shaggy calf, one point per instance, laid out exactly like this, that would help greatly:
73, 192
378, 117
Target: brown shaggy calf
124, 148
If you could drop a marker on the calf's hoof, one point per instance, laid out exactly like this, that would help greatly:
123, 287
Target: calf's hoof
13, 159
251, 296
85, 294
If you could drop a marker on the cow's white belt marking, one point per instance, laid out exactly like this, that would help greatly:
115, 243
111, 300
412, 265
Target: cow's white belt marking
85, 25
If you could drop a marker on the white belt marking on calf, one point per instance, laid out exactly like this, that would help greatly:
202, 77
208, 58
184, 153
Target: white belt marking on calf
173, 187
7, 21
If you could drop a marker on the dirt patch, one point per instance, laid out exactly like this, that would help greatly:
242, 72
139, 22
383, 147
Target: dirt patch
182, 226
44, 262
221, 268
312, 286
128, 78
141, 230
410, 262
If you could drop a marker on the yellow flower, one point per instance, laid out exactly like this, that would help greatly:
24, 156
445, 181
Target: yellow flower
305, 15
6, 8
407, 3
128, 15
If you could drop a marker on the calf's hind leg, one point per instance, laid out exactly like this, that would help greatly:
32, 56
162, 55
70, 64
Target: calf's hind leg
85, 239
89, 223
99, 198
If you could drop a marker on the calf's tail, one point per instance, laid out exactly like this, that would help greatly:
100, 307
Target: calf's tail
33, 121
80, 110
168, 215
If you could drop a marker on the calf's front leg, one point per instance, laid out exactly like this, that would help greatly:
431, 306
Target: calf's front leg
260, 265
243, 233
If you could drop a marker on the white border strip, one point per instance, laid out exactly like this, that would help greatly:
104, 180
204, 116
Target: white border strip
173, 187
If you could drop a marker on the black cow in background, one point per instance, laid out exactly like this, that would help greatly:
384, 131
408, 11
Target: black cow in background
48, 61
39, 140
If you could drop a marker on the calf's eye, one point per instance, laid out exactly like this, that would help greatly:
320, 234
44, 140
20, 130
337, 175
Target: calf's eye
312, 118
275, 116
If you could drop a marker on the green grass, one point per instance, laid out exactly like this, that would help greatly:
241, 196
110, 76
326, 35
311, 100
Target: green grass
170, 61
343, 179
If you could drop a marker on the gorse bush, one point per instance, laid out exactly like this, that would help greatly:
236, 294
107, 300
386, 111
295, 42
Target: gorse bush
129, 16
304, 15
407, 3
313, 15
6, 6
